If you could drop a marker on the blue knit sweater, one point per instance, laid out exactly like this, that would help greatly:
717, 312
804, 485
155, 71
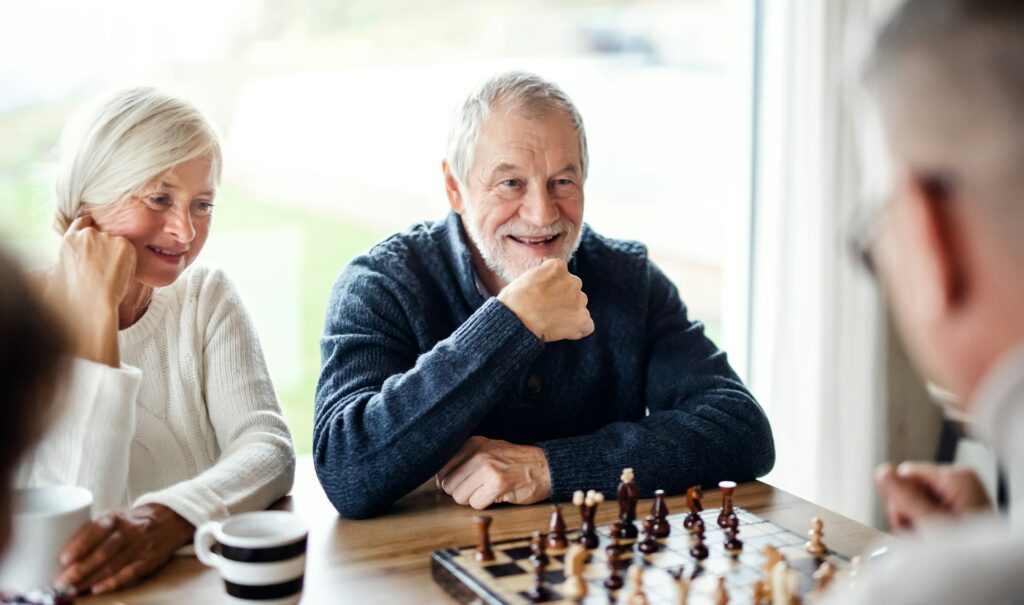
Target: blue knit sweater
416, 360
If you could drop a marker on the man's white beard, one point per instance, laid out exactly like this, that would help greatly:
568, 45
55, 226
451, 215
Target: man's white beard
495, 256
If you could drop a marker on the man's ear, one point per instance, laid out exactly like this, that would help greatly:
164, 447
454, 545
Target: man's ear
933, 207
451, 188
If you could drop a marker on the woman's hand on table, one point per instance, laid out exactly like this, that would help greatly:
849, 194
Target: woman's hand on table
120, 548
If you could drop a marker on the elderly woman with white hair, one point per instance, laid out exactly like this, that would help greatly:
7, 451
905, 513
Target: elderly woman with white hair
169, 416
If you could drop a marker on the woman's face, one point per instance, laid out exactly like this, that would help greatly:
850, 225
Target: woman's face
167, 221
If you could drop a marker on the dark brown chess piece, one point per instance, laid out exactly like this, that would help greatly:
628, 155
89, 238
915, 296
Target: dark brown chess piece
537, 548
699, 550
539, 561
693, 496
616, 541
627, 495
727, 488
650, 543
614, 579
556, 529
733, 545
659, 510
483, 539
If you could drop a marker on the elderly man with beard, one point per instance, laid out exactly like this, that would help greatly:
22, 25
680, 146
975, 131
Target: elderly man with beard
512, 351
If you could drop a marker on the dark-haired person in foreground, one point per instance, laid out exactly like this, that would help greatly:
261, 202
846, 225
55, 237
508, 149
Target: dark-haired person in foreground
512, 351
32, 346
948, 79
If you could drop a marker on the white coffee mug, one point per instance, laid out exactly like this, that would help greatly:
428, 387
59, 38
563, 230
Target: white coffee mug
262, 556
44, 520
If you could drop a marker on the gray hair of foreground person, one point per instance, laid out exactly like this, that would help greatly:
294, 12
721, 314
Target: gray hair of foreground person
948, 77
32, 349
511, 91
115, 147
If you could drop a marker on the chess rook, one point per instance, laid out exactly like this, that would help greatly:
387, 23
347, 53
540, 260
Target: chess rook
556, 529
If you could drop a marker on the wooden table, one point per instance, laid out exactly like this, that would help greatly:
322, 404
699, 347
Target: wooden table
387, 559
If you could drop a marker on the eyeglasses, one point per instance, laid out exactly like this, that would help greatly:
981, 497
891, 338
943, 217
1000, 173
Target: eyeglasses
867, 224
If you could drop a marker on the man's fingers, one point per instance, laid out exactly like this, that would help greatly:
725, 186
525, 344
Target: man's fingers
484, 496
86, 539
928, 473
465, 452
464, 481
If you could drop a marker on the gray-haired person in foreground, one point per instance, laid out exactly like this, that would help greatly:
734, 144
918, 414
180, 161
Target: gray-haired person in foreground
512, 351
947, 77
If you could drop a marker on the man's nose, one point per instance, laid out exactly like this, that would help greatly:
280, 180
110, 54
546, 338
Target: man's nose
538, 208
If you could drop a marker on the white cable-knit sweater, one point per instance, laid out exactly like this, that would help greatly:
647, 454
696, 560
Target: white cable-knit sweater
190, 420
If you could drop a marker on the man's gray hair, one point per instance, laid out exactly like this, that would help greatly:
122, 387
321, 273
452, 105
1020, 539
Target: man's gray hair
950, 76
516, 90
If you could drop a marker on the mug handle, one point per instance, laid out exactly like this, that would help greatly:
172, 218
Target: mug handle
204, 541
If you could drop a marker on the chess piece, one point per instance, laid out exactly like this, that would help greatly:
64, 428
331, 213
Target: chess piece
636, 581
699, 550
733, 545
556, 529
616, 542
815, 546
574, 586
785, 581
539, 561
693, 496
682, 584
483, 539
727, 488
650, 543
627, 495
721, 592
614, 579
824, 576
588, 509
537, 548
759, 593
771, 556
659, 510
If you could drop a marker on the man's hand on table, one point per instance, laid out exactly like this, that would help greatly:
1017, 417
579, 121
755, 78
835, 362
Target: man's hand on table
121, 547
550, 302
917, 490
489, 471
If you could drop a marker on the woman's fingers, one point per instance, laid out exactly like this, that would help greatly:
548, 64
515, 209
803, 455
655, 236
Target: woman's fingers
83, 222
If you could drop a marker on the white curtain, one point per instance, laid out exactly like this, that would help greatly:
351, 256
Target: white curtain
817, 322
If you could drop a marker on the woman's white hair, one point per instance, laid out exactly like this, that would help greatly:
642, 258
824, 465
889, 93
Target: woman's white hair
516, 90
125, 141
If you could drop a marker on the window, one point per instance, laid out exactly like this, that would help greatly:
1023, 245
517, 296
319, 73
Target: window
335, 117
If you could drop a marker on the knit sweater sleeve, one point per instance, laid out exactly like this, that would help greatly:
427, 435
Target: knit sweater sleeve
256, 465
87, 442
388, 417
703, 425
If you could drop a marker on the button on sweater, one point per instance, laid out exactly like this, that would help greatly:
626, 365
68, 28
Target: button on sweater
415, 360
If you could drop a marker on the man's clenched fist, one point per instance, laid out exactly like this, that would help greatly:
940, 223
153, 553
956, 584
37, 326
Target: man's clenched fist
550, 302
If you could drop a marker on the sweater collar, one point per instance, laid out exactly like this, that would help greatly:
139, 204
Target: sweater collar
999, 405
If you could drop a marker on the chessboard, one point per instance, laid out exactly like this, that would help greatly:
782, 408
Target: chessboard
508, 579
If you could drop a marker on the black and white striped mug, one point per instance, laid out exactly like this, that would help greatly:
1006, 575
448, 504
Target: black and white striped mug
261, 556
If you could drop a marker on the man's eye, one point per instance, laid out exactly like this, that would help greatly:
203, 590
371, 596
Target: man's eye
563, 182
510, 183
